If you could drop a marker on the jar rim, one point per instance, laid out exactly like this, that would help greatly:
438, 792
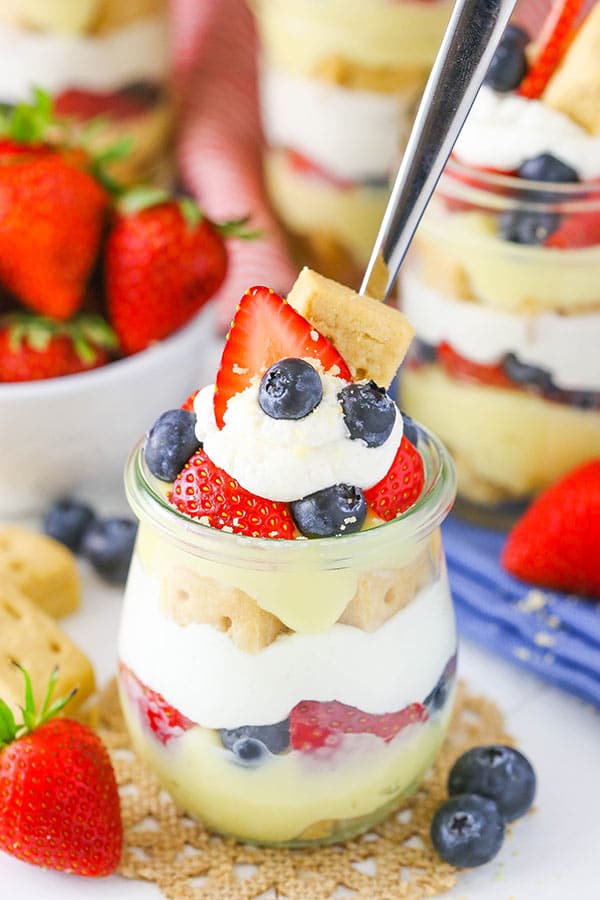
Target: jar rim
149, 503
543, 195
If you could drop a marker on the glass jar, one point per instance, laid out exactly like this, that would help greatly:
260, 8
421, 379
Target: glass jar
288, 692
339, 84
506, 362
105, 61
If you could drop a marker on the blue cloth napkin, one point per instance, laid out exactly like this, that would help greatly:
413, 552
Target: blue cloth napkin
555, 635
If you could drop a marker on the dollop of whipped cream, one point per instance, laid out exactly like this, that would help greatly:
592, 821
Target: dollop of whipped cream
504, 130
284, 459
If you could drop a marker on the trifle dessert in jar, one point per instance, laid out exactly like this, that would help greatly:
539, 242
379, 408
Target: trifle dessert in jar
288, 647
503, 282
102, 60
339, 85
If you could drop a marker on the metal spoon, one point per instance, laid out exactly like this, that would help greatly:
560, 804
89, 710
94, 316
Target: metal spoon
472, 36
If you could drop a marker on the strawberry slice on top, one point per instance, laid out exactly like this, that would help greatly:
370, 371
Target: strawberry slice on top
558, 32
264, 330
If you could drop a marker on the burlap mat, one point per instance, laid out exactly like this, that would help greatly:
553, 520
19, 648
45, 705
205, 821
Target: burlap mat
394, 860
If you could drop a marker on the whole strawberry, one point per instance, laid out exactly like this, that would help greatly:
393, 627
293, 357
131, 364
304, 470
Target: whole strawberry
555, 544
59, 804
164, 261
34, 347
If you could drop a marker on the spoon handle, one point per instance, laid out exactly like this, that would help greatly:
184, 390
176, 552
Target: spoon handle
472, 36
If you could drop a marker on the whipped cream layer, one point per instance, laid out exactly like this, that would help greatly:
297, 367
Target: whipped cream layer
565, 346
355, 135
57, 62
206, 677
284, 459
504, 130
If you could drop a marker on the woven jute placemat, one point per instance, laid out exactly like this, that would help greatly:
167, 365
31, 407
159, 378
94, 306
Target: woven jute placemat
394, 861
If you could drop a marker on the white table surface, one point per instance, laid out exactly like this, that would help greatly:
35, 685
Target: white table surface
553, 854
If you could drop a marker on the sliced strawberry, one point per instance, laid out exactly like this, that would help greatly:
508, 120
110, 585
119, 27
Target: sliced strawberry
122, 104
402, 485
189, 403
203, 491
162, 719
265, 329
555, 544
558, 32
308, 168
314, 724
463, 369
578, 230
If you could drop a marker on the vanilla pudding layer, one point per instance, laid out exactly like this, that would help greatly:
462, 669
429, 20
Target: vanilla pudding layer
205, 676
57, 62
462, 254
280, 800
351, 215
299, 34
504, 130
568, 347
506, 444
355, 135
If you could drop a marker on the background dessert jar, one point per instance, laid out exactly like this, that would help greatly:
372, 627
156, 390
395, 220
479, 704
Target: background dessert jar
503, 288
339, 84
97, 59
289, 691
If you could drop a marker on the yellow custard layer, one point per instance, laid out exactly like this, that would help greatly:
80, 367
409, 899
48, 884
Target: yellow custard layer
507, 443
464, 249
349, 215
299, 34
278, 801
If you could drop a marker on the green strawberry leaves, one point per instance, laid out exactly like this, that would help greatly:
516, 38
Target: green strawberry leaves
88, 332
10, 730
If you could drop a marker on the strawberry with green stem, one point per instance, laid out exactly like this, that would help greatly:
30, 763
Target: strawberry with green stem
59, 804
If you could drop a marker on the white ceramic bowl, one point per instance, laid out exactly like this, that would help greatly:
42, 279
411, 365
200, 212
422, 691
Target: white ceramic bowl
72, 435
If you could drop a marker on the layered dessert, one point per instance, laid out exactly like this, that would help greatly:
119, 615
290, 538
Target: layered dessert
97, 59
503, 285
287, 648
340, 81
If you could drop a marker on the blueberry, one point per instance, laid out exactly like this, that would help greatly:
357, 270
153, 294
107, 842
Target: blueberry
410, 430
369, 412
422, 352
170, 443
523, 373
290, 389
108, 545
509, 63
579, 399
467, 830
547, 168
276, 738
249, 751
436, 699
527, 226
497, 772
67, 520
336, 510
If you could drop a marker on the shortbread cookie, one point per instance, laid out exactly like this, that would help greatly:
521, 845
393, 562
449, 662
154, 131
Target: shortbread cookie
373, 338
574, 89
42, 568
114, 14
380, 79
31, 638
188, 597
381, 593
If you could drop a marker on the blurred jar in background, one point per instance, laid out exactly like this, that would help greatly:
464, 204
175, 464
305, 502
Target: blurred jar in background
340, 81
95, 58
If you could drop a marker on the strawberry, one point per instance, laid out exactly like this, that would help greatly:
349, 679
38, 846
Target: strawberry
555, 544
164, 261
578, 230
203, 491
308, 168
189, 403
463, 369
122, 104
52, 217
163, 720
59, 804
33, 347
265, 329
314, 724
557, 34
401, 486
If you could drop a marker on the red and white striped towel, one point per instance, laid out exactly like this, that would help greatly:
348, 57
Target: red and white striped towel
219, 147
